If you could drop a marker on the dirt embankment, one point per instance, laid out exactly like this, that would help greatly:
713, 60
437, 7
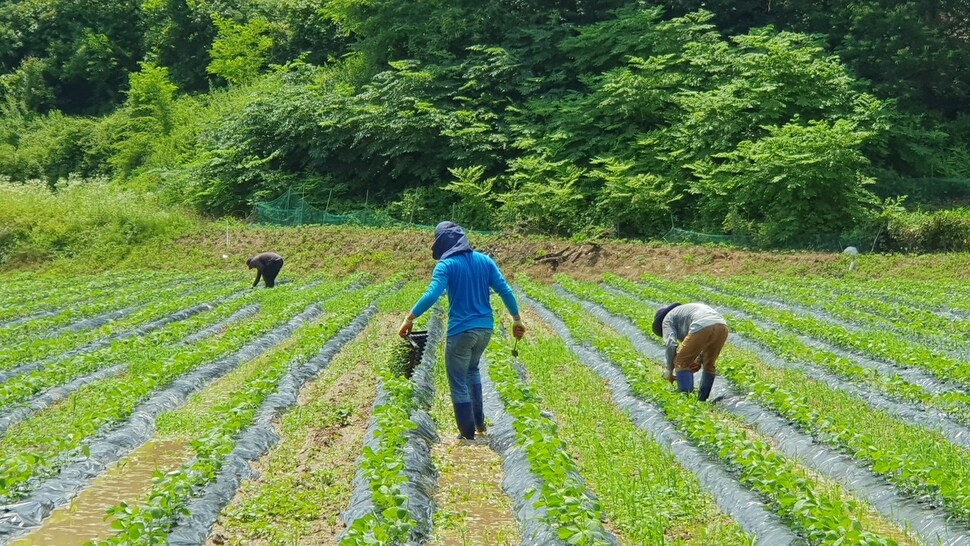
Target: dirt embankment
341, 250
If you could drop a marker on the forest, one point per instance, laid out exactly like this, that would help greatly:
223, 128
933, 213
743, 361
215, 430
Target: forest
778, 123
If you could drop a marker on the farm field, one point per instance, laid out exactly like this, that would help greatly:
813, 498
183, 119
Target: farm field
146, 408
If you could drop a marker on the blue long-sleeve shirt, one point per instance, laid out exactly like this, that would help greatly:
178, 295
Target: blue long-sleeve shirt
467, 276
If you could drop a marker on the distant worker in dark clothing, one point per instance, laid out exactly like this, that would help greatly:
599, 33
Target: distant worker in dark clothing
468, 276
268, 265
703, 332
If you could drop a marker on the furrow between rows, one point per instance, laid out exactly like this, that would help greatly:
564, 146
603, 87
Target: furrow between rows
730, 495
931, 525
56, 394
136, 430
255, 441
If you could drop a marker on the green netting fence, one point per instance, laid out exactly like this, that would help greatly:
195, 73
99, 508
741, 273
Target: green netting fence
290, 209
676, 235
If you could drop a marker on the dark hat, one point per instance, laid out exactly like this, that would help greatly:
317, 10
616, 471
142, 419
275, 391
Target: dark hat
658, 319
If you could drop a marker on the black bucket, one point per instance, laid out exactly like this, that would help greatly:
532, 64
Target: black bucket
416, 342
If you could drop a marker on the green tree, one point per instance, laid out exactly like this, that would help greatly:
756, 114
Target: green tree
240, 51
148, 117
798, 181
915, 50
639, 204
476, 197
26, 90
179, 35
305, 32
151, 95
47, 147
88, 48
544, 196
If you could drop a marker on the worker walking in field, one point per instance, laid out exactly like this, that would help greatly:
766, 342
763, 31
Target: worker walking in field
703, 332
267, 265
468, 276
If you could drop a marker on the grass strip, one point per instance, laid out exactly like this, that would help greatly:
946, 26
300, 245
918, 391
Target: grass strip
24, 349
20, 388
305, 481
860, 309
472, 508
81, 298
32, 292
938, 295
879, 344
77, 317
953, 403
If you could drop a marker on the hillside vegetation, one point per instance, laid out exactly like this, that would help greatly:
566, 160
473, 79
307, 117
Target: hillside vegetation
781, 124
94, 227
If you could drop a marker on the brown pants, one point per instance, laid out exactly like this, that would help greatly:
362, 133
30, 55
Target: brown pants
701, 349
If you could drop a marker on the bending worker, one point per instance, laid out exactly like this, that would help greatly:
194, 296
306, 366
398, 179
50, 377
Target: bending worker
467, 275
703, 332
268, 265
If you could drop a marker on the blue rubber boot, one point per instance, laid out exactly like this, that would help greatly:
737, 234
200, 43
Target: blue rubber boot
685, 381
707, 382
465, 420
478, 407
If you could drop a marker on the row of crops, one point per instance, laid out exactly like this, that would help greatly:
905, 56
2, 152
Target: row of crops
161, 408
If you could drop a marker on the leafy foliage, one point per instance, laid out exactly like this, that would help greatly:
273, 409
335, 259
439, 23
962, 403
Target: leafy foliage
240, 51
552, 117
84, 50
795, 179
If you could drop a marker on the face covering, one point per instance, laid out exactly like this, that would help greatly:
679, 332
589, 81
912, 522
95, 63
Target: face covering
449, 240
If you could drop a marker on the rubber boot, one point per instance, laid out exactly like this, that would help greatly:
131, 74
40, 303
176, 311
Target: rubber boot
478, 409
685, 381
465, 420
707, 381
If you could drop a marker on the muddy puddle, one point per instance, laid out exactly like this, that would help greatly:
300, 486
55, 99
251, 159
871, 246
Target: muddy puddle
84, 518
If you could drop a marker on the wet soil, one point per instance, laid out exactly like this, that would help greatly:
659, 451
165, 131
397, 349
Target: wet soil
85, 518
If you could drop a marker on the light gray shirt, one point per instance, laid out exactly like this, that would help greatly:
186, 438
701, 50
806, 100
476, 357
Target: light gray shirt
683, 320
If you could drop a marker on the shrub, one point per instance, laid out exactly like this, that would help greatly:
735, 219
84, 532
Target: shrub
942, 231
